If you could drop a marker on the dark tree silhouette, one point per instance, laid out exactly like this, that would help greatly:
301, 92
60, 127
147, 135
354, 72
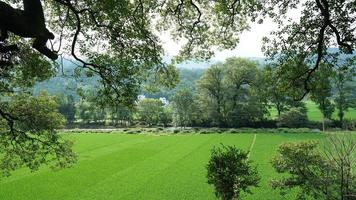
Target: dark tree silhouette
27, 23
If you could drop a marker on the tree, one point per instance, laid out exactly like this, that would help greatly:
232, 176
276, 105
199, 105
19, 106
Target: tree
339, 150
321, 92
67, 108
230, 172
33, 120
122, 114
294, 118
85, 111
28, 124
325, 174
322, 24
211, 90
166, 116
184, 107
232, 93
150, 111
275, 91
343, 99
244, 95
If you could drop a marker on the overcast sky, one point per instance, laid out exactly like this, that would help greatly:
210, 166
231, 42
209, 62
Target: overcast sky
250, 41
249, 46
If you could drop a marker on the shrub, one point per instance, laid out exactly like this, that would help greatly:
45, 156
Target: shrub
318, 174
294, 118
349, 125
230, 172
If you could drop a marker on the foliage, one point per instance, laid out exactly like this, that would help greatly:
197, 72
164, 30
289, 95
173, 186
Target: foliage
321, 91
152, 112
344, 100
275, 90
231, 93
319, 175
245, 100
184, 107
28, 126
305, 41
294, 118
211, 90
121, 114
31, 138
67, 108
230, 172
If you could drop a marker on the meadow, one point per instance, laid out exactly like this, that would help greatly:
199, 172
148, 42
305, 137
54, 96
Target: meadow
123, 166
314, 113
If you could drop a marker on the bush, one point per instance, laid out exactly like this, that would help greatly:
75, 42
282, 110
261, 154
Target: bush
318, 174
294, 118
349, 125
230, 172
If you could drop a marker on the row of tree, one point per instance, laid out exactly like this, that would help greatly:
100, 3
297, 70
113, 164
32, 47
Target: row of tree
238, 92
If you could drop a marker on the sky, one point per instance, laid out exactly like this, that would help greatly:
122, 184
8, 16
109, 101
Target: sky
250, 41
249, 46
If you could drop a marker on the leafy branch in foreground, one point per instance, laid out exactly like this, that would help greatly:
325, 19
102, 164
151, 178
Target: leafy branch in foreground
28, 136
323, 24
319, 174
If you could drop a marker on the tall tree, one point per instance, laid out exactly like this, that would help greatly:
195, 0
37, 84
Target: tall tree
343, 99
322, 92
275, 92
244, 91
211, 89
150, 111
184, 107
67, 108
231, 93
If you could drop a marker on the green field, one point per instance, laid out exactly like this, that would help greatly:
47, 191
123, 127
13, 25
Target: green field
314, 113
119, 166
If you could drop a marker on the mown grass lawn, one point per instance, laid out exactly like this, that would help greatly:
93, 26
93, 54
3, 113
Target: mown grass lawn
119, 166
314, 113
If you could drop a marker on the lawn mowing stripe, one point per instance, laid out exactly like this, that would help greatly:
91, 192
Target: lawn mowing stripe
24, 173
168, 168
191, 180
103, 150
142, 158
85, 171
251, 147
147, 167
135, 177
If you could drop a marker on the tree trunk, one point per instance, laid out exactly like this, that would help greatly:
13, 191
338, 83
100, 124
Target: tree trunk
323, 124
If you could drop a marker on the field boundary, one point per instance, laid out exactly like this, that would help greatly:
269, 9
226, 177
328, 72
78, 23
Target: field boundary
252, 145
